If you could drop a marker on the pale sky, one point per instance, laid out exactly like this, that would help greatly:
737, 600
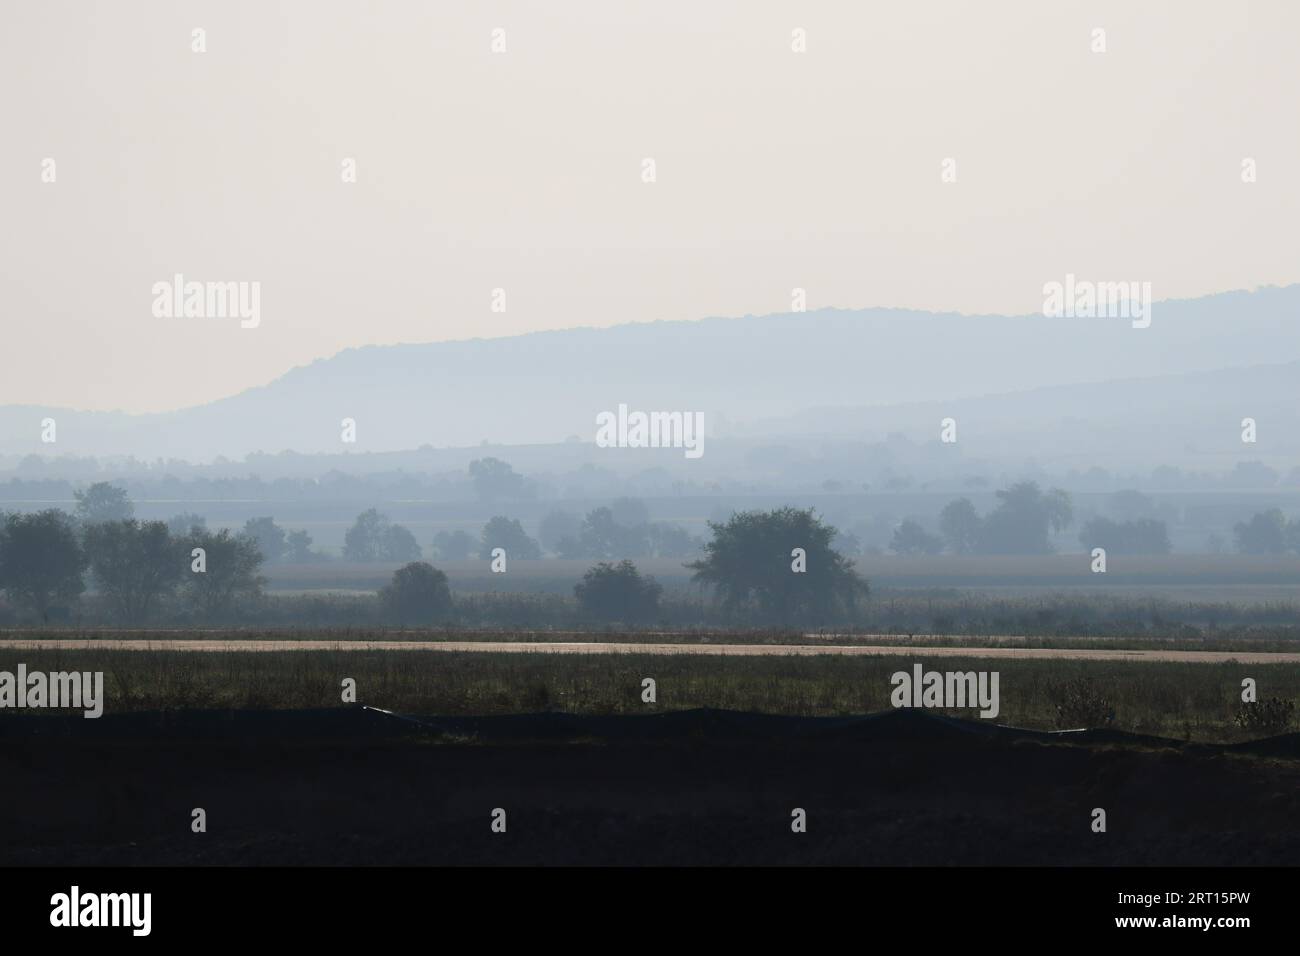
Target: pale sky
522, 170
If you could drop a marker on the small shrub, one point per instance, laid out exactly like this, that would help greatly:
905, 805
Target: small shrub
1080, 704
1268, 716
618, 593
418, 594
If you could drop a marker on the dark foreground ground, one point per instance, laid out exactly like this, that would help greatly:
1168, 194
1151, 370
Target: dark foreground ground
363, 787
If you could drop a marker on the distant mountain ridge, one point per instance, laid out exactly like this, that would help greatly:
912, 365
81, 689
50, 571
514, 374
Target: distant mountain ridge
546, 386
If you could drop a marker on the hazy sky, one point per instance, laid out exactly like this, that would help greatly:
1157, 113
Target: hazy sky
522, 170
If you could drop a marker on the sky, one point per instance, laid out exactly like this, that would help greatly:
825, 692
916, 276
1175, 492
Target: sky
524, 170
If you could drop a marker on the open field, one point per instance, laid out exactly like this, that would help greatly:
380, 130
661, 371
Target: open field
1264, 577
1180, 699
1230, 597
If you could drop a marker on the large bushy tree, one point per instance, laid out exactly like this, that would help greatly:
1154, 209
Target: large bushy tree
418, 594
508, 533
103, 502
41, 561
271, 539
1264, 533
231, 563
298, 548
618, 593
749, 564
1023, 520
910, 538
373, 537
135, 564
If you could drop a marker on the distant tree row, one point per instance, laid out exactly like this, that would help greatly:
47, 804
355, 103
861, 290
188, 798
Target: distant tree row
609, 533
1020, 524
1140, 536
44, 557
778, 566
622, 530
1268, 532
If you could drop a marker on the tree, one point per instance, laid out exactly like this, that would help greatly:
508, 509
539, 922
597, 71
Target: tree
398, 544
453, 545
103, 502
230, 570
185, 522
911, 538
418, 593
1265, 533
41, 561
1024, 516
1144, 536
298, 548
672, 541
618, 593
495, 480
373, 537
270, 537
602, 537
960, 526
508, 533
361, 542
135, 564
749, 564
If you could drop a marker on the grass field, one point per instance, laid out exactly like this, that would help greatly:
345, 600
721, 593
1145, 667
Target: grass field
1181, 700
1266, 577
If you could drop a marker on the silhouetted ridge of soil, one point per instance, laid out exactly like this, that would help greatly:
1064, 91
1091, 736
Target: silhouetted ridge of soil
361, 786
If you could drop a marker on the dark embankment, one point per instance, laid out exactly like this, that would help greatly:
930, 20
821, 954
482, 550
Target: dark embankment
364, 787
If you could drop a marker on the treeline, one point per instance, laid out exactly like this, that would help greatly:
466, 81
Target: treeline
1022, 523
600, 535
896, 464
778, 568
486, 480
135, 567
1268, 532
772, 567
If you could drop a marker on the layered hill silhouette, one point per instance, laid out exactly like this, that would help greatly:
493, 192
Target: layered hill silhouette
1201, 366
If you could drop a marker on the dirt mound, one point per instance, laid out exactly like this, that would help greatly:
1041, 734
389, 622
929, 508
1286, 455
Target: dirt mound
360, 786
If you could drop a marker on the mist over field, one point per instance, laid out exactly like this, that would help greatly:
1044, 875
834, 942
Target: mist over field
720, 433
873, 418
